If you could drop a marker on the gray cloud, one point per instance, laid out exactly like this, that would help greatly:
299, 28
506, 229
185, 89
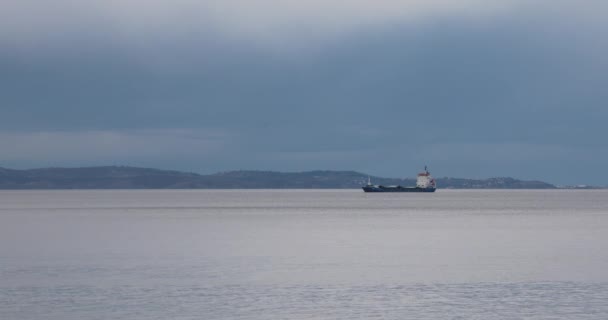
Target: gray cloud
259, 19
395, 91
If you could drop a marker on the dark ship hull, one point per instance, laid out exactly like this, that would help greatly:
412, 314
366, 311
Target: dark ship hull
396, 189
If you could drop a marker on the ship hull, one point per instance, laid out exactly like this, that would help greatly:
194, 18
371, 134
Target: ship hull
396, 189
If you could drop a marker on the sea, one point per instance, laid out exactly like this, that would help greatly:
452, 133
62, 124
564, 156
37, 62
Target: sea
303, 254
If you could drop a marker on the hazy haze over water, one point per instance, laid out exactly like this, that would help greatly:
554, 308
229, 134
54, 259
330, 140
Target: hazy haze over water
193, 254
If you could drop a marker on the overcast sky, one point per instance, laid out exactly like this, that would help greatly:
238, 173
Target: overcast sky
470, 88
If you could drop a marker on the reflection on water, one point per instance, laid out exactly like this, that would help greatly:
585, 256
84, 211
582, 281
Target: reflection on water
302, 254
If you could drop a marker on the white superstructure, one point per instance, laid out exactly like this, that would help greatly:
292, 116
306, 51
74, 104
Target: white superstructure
425, 180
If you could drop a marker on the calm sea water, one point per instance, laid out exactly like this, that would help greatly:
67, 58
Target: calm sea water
303, 254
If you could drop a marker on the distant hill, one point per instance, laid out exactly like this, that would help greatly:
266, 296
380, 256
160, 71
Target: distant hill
118, 177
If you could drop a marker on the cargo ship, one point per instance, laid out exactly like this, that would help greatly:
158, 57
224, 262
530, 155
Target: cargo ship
424, 183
